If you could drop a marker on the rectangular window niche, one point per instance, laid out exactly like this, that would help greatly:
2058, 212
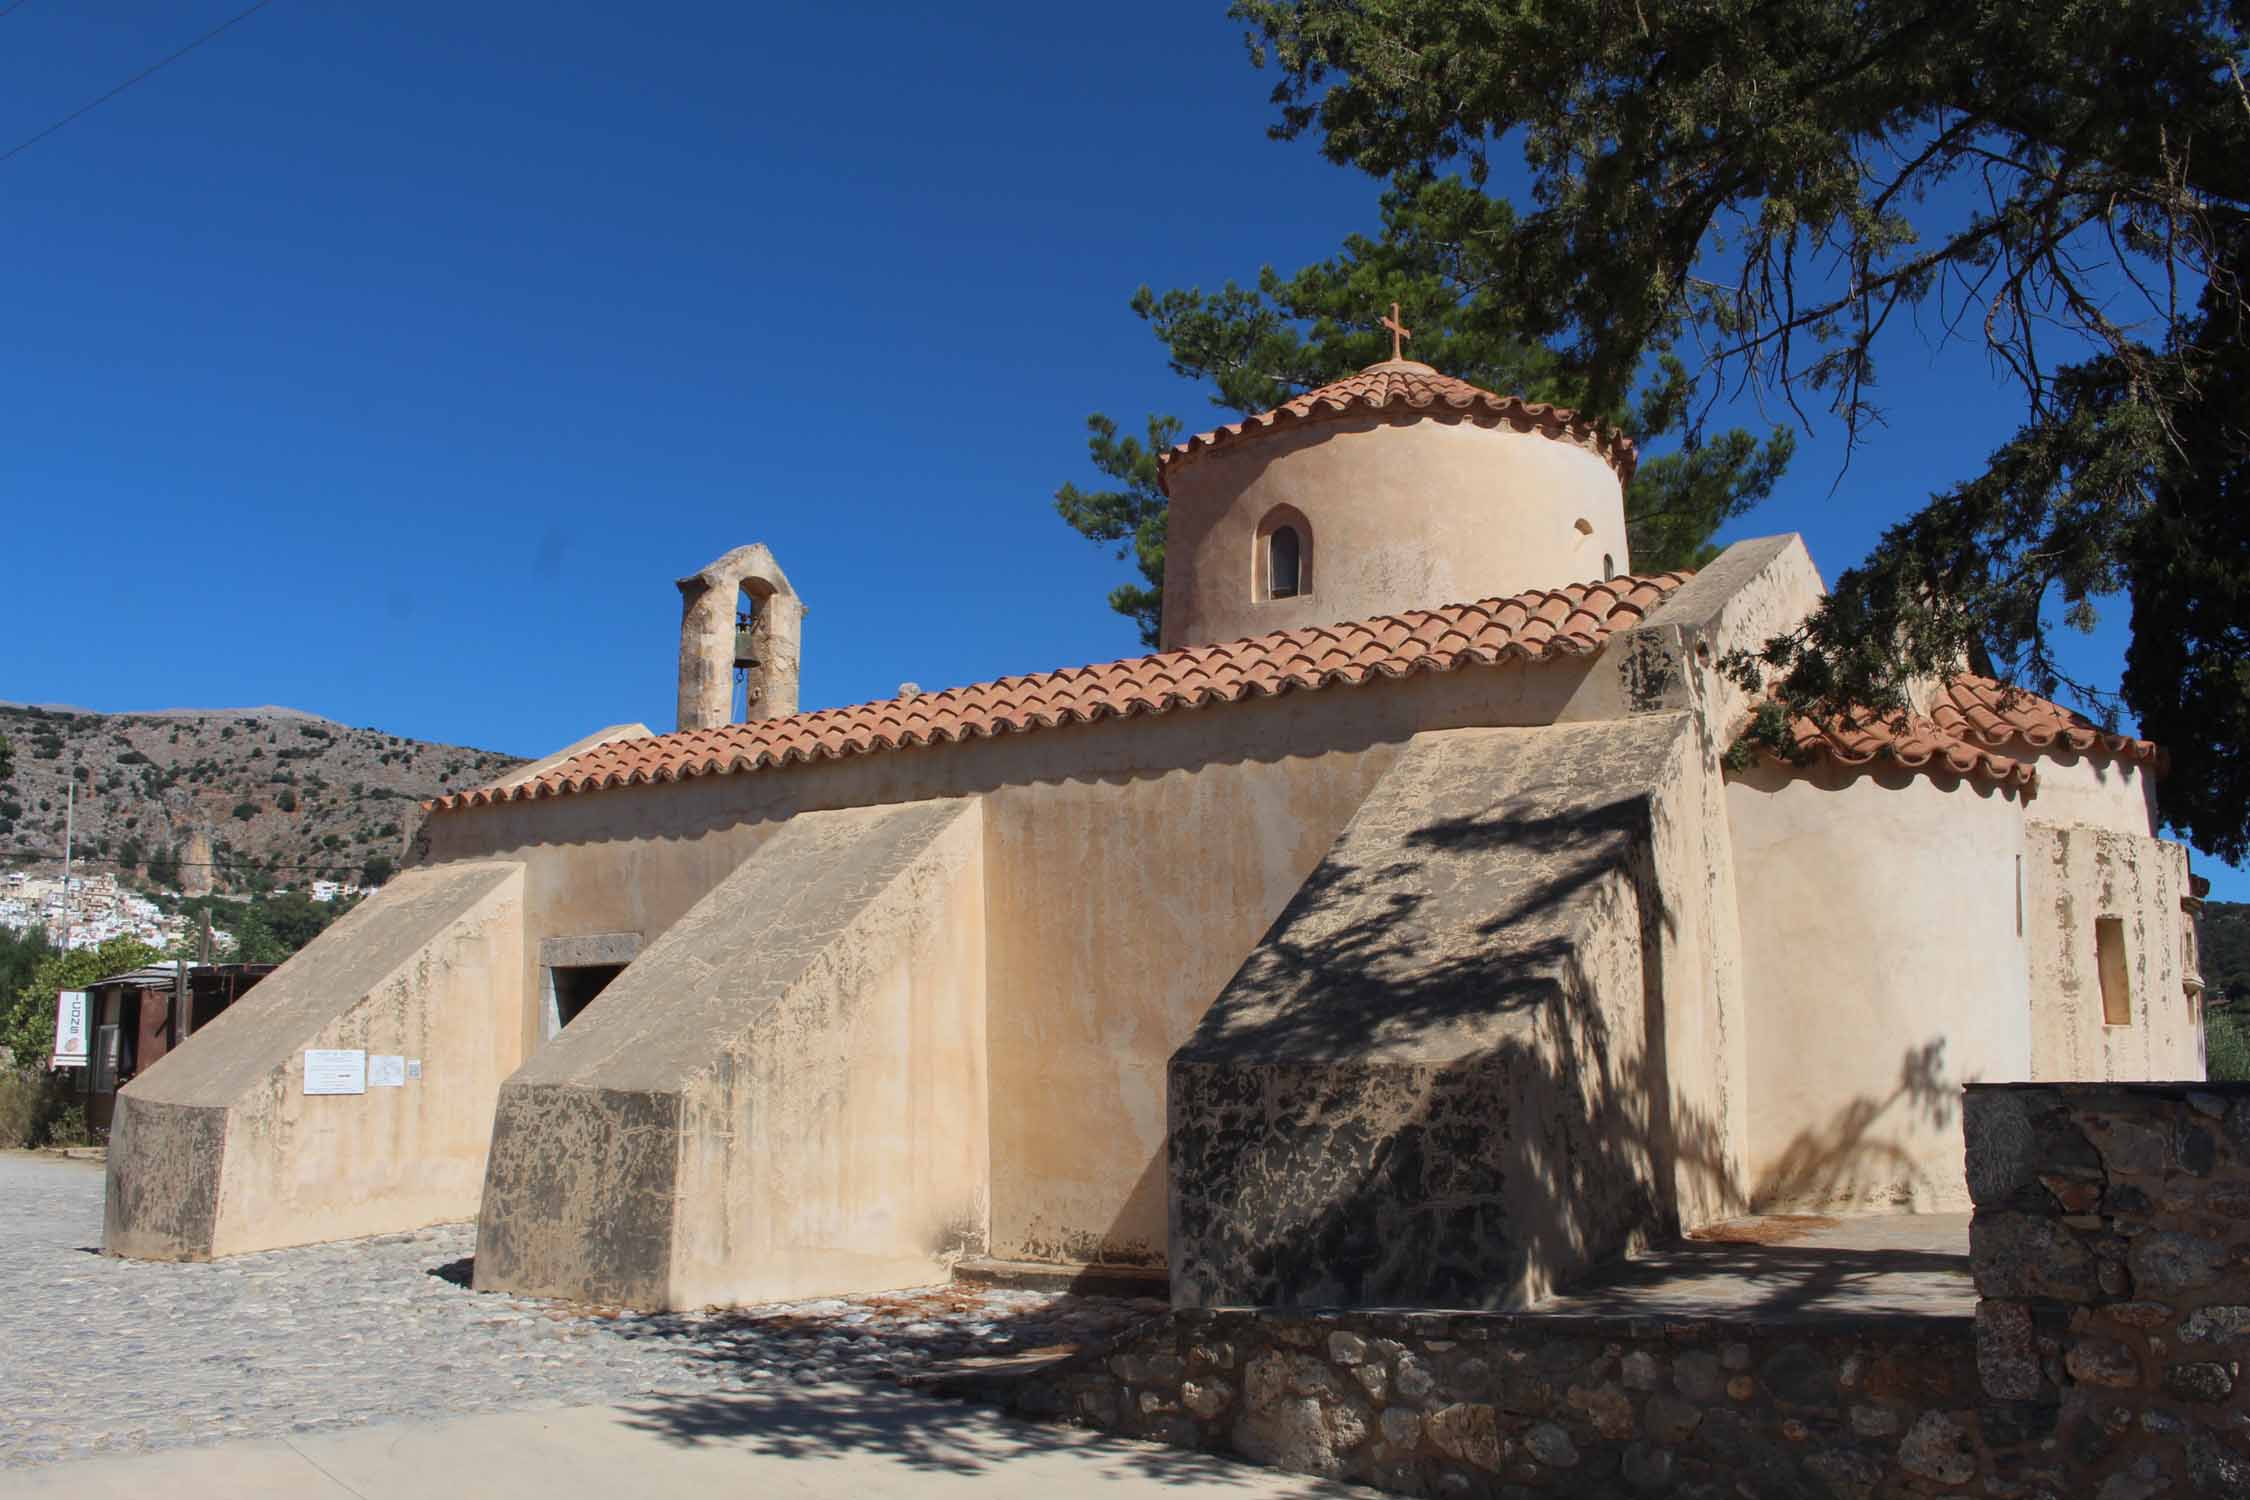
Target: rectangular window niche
574, 970
2109, 953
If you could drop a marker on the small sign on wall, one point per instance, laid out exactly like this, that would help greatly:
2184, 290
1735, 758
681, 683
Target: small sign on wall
386, 1072
335, 1071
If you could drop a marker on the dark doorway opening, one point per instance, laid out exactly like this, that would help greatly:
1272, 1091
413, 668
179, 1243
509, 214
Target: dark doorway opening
576, 987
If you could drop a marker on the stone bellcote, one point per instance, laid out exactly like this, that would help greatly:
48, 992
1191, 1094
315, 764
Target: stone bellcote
738, 613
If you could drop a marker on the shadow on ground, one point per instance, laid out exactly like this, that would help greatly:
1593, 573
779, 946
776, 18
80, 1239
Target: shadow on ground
1789, 1283
929, 1434
829, 1377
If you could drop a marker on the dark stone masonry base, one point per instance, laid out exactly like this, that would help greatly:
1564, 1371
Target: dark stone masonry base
2111, 1251
1520, 1404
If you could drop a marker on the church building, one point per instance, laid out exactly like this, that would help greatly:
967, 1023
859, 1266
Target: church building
1397, 934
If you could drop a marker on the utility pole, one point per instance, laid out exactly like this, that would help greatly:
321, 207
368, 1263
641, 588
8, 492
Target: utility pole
70, 828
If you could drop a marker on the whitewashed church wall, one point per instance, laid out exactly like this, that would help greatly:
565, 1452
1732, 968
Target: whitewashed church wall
635, 859
2090, 791
1131, 865
1885, 960
2075, 876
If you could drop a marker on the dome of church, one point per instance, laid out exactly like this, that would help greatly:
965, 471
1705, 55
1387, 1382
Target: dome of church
1409, 385
1395, 488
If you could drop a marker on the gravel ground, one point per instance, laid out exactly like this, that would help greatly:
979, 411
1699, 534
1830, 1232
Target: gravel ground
108, 1356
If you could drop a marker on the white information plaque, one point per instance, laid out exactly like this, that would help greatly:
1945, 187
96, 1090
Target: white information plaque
335, 1071
386, 1072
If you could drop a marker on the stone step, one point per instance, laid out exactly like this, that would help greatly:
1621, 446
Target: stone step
1087, 1280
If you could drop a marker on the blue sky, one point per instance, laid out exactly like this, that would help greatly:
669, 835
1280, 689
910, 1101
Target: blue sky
390, 362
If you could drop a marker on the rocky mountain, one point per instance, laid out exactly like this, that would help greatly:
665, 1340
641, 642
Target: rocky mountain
258, 797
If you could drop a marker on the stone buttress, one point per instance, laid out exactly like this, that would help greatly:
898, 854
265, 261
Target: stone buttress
784, 1094
217, 1149
1443, 1078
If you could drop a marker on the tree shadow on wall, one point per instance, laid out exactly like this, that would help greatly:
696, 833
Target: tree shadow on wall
1847, 1161
1443, 1079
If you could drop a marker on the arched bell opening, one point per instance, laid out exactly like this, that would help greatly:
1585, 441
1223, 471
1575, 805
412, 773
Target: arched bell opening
740, 627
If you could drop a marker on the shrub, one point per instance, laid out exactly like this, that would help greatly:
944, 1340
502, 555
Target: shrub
23, 1094
37, 1108
246, 810
2226, 1038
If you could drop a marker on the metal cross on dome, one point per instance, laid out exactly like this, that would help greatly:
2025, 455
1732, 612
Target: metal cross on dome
1399, 331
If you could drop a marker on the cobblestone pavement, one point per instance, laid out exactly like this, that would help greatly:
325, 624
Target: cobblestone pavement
109, 1356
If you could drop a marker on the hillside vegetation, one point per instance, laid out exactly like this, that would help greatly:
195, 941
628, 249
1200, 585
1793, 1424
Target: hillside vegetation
2225, 952
284, 798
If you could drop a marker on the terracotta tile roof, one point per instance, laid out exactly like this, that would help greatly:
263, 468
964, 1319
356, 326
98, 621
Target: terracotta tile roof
1911, 741
1972, 719
1985, 712
1405, 385
1544, 623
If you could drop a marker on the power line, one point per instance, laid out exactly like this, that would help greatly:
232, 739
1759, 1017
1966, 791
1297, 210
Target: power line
219, 864
163, 62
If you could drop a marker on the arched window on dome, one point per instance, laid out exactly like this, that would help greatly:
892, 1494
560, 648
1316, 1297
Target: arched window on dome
1282, 567
1285, 557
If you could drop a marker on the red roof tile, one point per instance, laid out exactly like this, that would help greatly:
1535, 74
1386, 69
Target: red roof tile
1908, 740
1404, 385
1971, 720
1986, 712
1573, 621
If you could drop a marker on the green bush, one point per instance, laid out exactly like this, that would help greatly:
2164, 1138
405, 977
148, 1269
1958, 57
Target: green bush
22, 1091
38, 1109
2226, 1041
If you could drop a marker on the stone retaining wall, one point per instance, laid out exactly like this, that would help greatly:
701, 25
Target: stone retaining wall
1512, 1405
2111, 1248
